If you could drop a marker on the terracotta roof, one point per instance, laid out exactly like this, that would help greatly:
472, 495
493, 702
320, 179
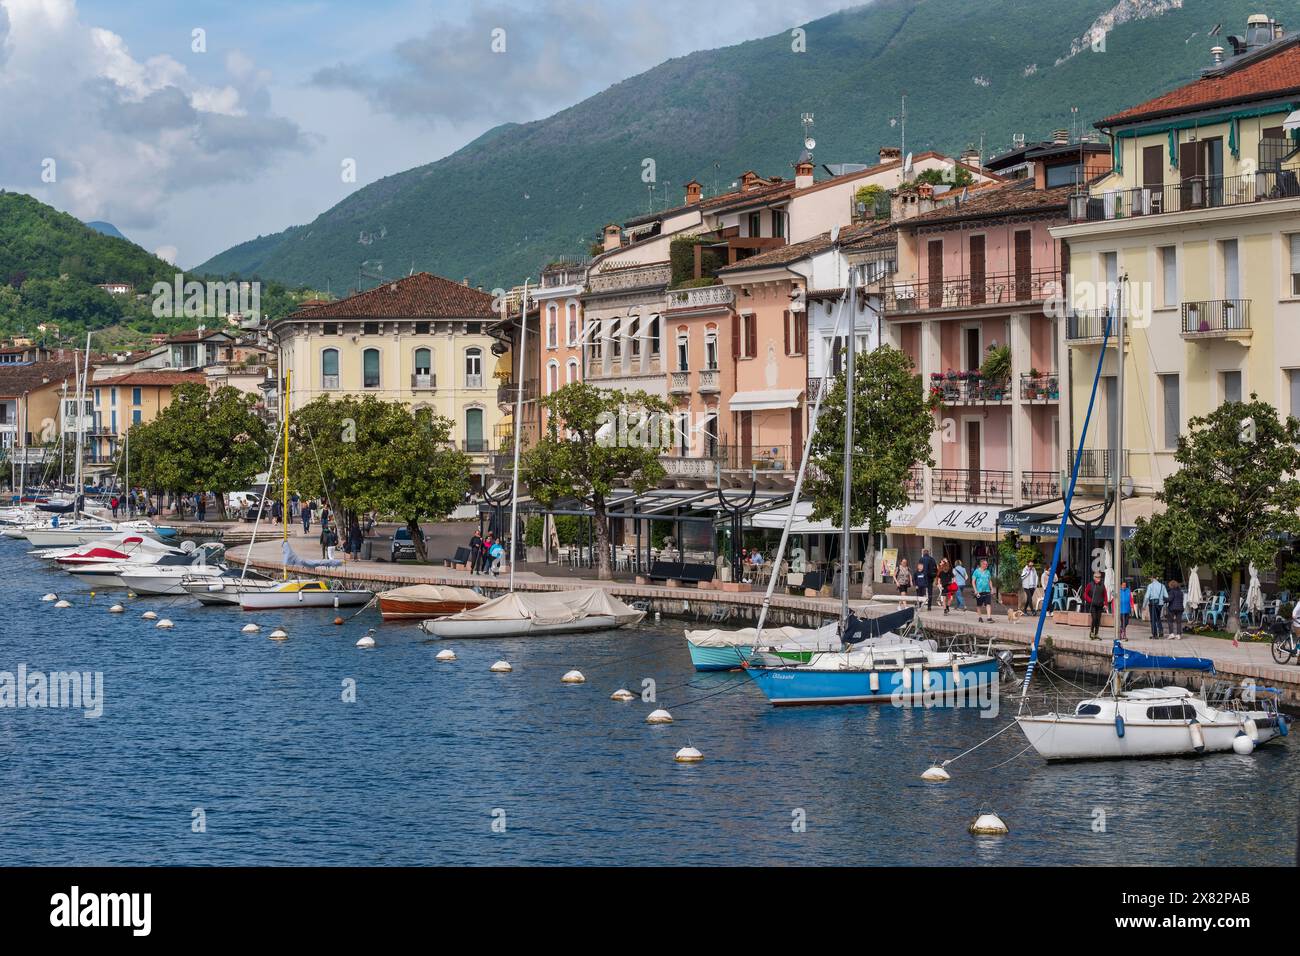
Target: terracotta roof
1275, 73
894, 164
420, 296
18, 380
781, 255
152, 378
194, 336
761, 193
880, 237
1018, 197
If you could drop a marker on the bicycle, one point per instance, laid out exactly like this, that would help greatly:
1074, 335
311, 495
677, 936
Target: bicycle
1284, 642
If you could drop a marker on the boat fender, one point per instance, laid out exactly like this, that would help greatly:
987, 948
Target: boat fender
1282, 727
50, 597
1198, 737
63, 604
165, 623
116, 609
905, 681
1243, 745
1119, 726
875, 681
278, 635
1252, 730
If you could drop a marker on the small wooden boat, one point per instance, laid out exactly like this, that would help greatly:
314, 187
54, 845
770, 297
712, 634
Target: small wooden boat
526, 615
418, 602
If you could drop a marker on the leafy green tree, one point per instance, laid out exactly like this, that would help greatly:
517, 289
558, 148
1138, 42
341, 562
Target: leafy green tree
892, 424
202, 441
372, 455
1234, 493
596, 440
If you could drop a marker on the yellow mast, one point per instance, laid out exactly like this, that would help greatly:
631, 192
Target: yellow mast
284, 490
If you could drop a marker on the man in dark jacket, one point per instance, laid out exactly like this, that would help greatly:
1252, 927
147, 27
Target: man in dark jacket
1095, 600
927, 570
475, 551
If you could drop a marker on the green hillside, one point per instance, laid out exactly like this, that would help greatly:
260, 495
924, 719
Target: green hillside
501, 206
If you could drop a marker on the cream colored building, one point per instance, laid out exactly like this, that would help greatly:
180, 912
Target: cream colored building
422, 341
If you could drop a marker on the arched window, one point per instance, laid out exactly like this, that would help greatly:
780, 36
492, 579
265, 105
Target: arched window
329, 369
571, 372
552, 376
474, 370
634, 334
370, 368
597, 342
423, 375
711, 349
552, 322
474, 440
571, 325
683, 352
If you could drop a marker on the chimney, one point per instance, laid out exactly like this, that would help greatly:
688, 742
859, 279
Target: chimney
749, 180
693, 192
971, 157
465, 281
803, 171
891, 154
1217, 53
1060, 137
613, 237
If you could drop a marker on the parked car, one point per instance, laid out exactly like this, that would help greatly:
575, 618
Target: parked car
403, 545
252, 506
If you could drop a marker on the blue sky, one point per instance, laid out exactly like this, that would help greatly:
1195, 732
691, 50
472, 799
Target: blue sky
191, 152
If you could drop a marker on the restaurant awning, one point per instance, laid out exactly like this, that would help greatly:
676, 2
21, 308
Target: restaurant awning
765, 400
974, 521
1043, 520
901, 520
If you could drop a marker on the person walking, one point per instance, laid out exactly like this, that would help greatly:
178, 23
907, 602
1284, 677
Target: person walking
277, 511
200, 505
354, 540
982, 581
1029, 583
927, 569
1125, 608
293, 506
496, 552
960, 578
945, 584
903, 577
1153, 601
113, 503
1175, 611
486, 556
306, 517
1095, 600
475, 551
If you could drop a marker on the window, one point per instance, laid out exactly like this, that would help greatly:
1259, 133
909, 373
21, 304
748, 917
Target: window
1231, 269
1168, 276
1066, 174
370, 328
615, 340
112, 394
1231, 386
683, 352
1169, 396
370, 368
597, 340
422, 328
746, 327
423, 369
135, 395
1172, 712
652, 335
634, 334
796, 332
330, 328
135, 416
552, 327
329, 369
571, 325
571, 372
711, 350
552, 376
1110, 273
474, 440
778, 223
755, 223
1295, 264
1293, 383
474, 370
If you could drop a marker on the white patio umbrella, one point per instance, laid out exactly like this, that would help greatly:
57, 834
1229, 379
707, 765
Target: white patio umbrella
1194, 596
1254, 596
1107, 569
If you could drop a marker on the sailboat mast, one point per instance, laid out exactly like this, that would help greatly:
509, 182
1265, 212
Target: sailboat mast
1119, 449
519, 412
849, 401
284, 490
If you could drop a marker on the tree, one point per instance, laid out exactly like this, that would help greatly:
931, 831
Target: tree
209, 441
1234, 493
373, 455
892, 424
596, 440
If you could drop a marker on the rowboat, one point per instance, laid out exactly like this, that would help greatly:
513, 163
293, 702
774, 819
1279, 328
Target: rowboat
420, 601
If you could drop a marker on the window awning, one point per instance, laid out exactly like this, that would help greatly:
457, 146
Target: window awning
900, 520
1292, 122
766, 400
961, 521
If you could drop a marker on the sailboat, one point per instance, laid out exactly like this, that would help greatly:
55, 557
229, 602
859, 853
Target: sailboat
288, 593
855, 659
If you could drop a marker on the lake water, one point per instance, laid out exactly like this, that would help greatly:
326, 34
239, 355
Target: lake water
450, 764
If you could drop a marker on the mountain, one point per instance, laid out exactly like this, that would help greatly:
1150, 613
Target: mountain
974, 71
106, 228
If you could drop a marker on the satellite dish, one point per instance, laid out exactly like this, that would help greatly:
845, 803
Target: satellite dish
810, 143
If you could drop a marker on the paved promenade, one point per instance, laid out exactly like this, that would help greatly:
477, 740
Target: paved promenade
1245, 660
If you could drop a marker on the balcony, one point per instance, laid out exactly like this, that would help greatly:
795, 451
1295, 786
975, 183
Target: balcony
968, 388
423, 381
1186, 195
701, 297
476, 446
1217, 319
1089, 327
1044, 387
972, 291
814, 388
1098, 463
473, 381
679, 383
1040, 485
710, 381
759, 457
915, 483
973, 485
678, 465
631, 277
506, 394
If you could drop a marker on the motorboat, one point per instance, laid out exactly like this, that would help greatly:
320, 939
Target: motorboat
722, 650
294, 593
417, 602
130, 548
155, 576
1154, 721
224, 589
70, 533
519, 614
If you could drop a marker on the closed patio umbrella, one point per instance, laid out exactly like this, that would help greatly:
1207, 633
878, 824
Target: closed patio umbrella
1194, 596
1254, 596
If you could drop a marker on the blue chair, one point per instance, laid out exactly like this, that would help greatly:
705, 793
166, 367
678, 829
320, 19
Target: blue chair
1058, 596
1216, 610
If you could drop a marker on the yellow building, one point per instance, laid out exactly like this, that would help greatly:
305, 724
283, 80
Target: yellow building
119, 402
1197, 233
422, 340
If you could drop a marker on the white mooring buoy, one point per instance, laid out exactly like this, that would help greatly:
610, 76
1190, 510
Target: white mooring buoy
249, 629
988, 824
622, 694
63, 604
501, 667
936, 774
148, 616
366, 641
50, 597
659, 716
573, 677
116, 609
165, 623
688, 755
1242, 744
278, 635
446, 655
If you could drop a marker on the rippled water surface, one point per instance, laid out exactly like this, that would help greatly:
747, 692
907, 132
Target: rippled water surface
430, 756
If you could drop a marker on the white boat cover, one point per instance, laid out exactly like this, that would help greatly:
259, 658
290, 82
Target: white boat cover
433, 592
822, 638
552, 607
291, 557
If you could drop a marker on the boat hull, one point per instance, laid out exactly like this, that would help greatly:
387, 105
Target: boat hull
795, 686
718, 658
1072, 738
525, 628
281, 600
397, 609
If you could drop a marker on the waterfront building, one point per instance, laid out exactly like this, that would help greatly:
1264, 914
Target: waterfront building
30, 414
422, 340
1195, 235
119, 402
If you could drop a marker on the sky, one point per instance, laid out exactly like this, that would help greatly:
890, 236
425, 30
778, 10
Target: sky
195, 126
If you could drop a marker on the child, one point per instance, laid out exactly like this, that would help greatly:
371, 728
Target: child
1125, 609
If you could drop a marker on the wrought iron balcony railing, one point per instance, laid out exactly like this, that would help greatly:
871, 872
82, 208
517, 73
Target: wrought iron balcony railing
1098, 463
1044, 387
1022, 285
1216, 318
976, 485
1188, 194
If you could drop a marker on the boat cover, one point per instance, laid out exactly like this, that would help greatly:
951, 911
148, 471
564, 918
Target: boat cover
290, 556
433, 593
552, 607
1127, 659
821, 638
864, 628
